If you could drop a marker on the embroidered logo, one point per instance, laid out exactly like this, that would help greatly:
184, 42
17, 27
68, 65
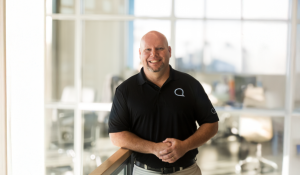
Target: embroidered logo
179, 92
213, 111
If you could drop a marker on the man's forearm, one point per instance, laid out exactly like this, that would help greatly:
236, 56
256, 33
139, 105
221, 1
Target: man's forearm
201, 136
126, 139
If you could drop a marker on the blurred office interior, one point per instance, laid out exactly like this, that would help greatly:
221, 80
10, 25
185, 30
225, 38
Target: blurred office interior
239, 50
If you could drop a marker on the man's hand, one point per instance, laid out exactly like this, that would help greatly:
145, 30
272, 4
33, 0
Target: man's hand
160, 147
174, 152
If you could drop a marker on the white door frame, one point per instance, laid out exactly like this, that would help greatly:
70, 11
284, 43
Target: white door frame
3, 119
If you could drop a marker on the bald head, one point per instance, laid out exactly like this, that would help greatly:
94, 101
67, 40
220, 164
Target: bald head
154, 35
155, 53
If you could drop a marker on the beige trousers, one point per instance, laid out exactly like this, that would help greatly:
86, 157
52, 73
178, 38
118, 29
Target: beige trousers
192, 170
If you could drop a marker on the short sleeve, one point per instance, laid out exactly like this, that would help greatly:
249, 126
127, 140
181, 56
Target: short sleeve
204, 110
119, 119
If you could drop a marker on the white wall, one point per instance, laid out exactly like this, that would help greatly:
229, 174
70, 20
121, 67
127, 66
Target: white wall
25, 76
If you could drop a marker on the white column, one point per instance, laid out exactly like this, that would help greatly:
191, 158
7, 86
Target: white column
25, 80
3, 131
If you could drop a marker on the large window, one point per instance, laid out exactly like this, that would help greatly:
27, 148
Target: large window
236, 49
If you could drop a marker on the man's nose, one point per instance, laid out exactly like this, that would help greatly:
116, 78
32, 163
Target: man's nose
153, 52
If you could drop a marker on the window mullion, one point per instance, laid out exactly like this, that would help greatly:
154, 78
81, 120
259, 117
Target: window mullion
290, 75
173, 30
78, 124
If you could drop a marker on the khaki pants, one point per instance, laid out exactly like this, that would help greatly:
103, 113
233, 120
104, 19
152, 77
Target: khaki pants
192, 170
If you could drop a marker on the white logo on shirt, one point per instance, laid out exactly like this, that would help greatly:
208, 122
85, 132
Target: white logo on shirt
213, 111
182, 92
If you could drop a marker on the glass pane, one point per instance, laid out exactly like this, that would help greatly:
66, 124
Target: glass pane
59, 141
105, 7
189, 8
189, 45
243, 91
297, 79
295, 123
60, 61
123, 168
155, 8
123, 172
223, 9
60, 6
223, 47
237, 140
104, 59
110, 54
97, 144
265, 47
298, 11
271, 9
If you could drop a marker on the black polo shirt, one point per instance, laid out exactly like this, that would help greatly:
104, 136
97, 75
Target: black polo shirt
154, 113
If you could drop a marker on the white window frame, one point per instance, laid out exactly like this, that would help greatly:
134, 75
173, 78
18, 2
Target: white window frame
287, 113
290, 114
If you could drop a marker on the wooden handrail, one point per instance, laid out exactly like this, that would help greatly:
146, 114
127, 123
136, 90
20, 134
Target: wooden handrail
112, 163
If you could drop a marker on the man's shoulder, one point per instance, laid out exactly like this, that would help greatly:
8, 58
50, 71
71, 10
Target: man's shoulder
129, 83
182, 76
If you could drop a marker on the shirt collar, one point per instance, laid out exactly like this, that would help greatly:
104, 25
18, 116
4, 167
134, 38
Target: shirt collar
142, 77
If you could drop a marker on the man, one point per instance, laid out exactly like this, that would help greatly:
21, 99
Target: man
154, 113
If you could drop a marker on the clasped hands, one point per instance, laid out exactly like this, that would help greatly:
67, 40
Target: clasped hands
170, 150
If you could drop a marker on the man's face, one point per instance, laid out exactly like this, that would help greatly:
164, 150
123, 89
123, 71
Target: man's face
154, 52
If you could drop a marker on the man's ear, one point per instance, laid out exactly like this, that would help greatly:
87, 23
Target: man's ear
140, 53
170, 50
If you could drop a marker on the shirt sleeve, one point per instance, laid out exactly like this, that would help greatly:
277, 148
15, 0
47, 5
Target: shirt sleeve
204, 110
119, 119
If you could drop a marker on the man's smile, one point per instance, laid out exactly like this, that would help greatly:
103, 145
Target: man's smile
154, 61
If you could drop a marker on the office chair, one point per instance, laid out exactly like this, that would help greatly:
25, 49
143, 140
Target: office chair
255, 129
